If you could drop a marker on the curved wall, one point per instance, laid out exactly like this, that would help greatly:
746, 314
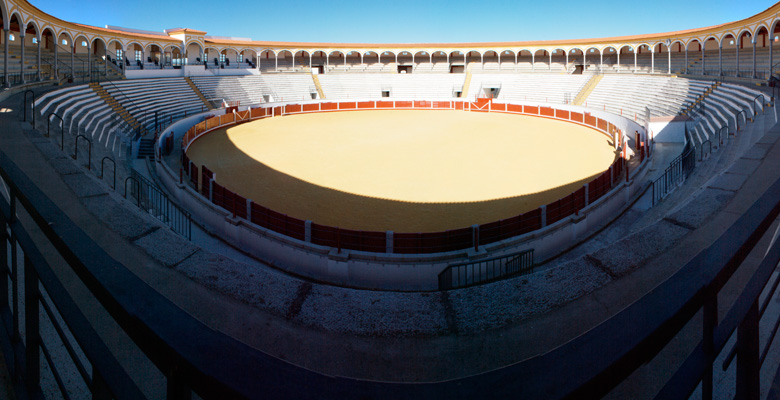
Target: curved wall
399, 261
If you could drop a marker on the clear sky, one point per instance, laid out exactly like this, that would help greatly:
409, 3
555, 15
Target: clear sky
407, 21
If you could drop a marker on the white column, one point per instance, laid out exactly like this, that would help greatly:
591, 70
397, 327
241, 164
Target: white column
6, 33
56, 62
636, 50
686, 60
754, 58
601, 60
703, 59
549, 66
533, 61
771, 66
738, 43
720, 60
618, 61
652, 61
89, 60
669, 71
40, 77
21, 39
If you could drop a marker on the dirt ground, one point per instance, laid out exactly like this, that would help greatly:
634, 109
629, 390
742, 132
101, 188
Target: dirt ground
404, 170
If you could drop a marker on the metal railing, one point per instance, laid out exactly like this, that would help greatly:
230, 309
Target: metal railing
676, 173
488, 270
150, 198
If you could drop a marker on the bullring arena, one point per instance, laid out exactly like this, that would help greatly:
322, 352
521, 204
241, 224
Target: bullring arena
194, 216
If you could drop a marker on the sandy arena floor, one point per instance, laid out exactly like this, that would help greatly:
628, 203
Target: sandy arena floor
404, 170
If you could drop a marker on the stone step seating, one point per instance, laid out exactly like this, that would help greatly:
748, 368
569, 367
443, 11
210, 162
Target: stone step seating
254, 89
85, 113
723, 107
629, 95
551, 88
168, 97
408, 86
246, 89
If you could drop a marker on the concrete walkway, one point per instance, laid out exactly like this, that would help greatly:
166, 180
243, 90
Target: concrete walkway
388, 335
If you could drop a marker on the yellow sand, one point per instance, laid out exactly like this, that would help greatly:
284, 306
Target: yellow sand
407, 171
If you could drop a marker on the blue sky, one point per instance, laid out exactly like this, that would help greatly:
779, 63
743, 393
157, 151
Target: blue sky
407, 21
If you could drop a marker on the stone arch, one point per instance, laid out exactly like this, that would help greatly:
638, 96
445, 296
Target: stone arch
625, 58
507, 59
302, 58
4, 15
473, 56
457, 56
154, 54
193, 53
370, 58
490, 60
354, 58
438, 58
48, 38
540, 60
385, 56
558, 59
248, 57
80, 49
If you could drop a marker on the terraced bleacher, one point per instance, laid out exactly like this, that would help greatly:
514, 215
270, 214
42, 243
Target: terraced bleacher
256, 89
168, 97
85, 113
409, 86
546, 88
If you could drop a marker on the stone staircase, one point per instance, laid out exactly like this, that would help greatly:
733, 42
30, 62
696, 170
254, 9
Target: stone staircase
466, 83
587, 89
118, 108
316, 80
199, 93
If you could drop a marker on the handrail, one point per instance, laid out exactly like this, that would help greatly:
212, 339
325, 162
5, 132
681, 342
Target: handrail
89, 150
102, 173
701, 154
744, 115
762, 104
48, 124
720, 137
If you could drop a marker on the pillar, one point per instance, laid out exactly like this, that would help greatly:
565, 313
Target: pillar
549, 66
703, 59
669, 70
652, 61
56, 62
636, 50
686, 60
89, 60
738, 43
6, 33
21, 39
720, 59
40, 77
754, 58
